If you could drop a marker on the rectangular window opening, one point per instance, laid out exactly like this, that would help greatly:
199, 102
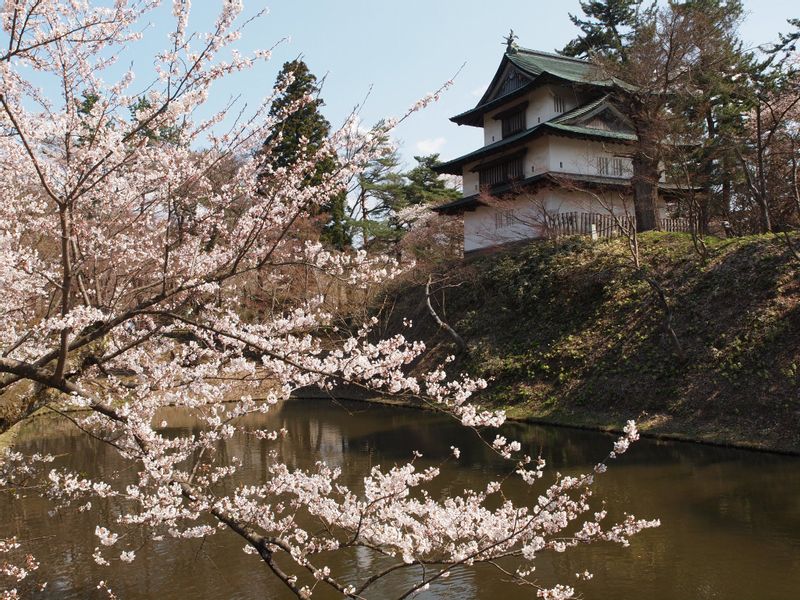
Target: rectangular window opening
504, 218
500, 173
618, 167
514, 123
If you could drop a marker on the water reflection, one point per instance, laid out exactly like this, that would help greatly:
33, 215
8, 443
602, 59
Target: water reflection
731, 519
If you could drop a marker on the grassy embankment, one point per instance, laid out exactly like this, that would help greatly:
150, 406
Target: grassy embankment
569, 335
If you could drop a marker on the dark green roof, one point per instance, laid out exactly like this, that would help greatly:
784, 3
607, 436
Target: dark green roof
580, 110
469, 203
535, 63
539, 66
591, 132
455, 165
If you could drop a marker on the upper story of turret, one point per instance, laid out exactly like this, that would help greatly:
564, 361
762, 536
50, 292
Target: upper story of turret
544, 112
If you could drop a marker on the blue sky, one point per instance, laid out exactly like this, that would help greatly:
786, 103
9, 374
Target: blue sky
402, 50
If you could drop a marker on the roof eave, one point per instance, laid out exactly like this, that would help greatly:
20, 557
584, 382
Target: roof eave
468, 203
474, 116
448, 169
454, 166
587, 135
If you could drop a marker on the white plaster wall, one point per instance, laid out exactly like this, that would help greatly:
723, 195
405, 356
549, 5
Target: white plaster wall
540, 109
480, 230
540, 106
568, 155
543, 109
492, 129
470, 181
564, 201
530, 210
537, 159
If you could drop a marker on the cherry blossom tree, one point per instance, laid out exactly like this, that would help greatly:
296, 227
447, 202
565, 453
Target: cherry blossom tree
128, 230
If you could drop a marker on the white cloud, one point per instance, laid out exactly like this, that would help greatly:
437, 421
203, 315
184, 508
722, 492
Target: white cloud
431, 146
478, 91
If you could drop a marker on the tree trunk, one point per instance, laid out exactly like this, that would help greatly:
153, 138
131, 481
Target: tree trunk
462, 345
645, 190
706, 200
795, 186
763, 203
644, 113
726, 187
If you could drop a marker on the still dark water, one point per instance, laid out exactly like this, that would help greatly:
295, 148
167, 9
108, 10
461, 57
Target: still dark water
730, 519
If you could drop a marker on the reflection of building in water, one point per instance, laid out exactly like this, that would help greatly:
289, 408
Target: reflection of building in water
461, 583
312, 439
328, 442
364, 559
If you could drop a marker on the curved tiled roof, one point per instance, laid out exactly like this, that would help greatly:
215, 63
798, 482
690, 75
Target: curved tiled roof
455, 165
470, 203
537, 65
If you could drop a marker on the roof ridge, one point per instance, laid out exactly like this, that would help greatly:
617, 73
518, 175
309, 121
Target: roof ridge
553, 55
620, 135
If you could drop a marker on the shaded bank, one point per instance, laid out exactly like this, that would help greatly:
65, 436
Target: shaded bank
569, 335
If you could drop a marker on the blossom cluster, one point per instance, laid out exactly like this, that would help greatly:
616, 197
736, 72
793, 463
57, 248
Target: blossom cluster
132, 240
13, 572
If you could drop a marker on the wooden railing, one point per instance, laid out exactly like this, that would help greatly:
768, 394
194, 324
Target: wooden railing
596, 225
678, 224
604, 226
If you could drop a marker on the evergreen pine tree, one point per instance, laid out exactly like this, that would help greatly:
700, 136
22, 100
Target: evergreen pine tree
712, 114
306, 122
425, 186
787, 43
384, 191
379, 189
607, 30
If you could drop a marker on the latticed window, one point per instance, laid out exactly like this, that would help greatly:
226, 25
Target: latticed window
501, 172
558, 104
617, 167
505, 218
513, 123
603, 165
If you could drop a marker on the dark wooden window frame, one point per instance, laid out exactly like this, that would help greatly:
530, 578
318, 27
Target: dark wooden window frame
513, 119
603, 165
618, 166
503, 170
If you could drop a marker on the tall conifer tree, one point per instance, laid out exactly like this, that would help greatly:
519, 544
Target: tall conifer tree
306, 122
611, 31
712, 115
606, 30
426, 186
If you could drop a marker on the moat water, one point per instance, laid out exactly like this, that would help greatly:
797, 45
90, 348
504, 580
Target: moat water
730, 518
